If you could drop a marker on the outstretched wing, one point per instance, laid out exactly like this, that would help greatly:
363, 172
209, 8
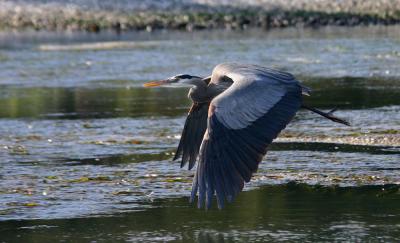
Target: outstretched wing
192, 134
242, 122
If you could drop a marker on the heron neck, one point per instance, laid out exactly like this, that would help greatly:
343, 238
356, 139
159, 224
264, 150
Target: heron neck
198, 83
202, 92
199, 92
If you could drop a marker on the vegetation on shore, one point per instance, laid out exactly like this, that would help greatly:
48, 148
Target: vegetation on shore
94, 21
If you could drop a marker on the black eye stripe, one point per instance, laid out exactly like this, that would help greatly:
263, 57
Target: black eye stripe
185, 76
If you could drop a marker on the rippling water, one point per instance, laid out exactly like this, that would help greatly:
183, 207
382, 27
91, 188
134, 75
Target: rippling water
85, 151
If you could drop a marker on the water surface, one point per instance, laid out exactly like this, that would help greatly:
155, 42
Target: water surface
85, 151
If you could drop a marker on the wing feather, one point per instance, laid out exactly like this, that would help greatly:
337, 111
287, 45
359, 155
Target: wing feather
239, 133
247, 96
192, 134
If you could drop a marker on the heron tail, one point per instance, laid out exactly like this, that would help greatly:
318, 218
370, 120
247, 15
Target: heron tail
328, 115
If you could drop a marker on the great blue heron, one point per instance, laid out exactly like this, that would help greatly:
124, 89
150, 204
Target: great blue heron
235, 115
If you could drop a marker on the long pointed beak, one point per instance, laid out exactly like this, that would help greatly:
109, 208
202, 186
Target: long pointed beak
156, 83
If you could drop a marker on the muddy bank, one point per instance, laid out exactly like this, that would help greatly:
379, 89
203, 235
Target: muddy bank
192, 15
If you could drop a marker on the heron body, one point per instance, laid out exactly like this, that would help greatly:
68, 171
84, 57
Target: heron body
236, 114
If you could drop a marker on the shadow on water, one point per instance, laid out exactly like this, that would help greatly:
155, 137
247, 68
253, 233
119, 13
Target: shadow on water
76, 103
116, 159
269, 213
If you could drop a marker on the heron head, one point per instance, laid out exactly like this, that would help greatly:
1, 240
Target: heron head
185, 80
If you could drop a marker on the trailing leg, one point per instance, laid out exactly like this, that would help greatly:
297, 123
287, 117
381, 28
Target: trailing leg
328, 115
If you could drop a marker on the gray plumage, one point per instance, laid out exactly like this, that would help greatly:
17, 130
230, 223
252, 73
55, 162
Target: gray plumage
254, 91
236, 113
241, 124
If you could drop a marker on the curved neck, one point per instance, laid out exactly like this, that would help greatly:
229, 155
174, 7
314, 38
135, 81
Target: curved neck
198, 83
203, 92
198, 93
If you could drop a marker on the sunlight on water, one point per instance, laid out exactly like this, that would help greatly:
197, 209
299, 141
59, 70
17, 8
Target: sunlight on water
85, 151
310, 53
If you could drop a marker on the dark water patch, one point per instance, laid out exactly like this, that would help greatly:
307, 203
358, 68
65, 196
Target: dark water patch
333, 147
147, 155
353, 92
270, 213
107, 160
121, 158
110, 102
82, 103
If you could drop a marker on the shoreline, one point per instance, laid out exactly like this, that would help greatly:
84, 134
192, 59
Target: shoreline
76, 19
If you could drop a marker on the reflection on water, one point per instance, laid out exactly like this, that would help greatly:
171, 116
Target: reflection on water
85, 151
83, 103
272, 213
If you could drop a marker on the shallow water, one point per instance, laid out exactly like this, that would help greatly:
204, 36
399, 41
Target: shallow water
85, 151
273, 213
88, 60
